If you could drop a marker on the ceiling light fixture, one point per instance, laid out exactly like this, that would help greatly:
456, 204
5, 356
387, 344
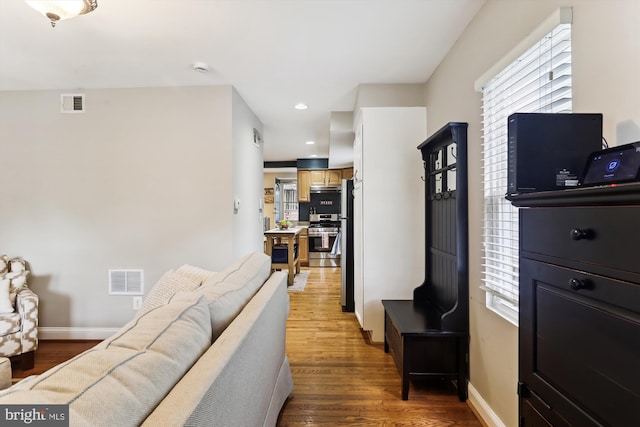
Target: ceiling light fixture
301, 106
60, 10
201, 67
310, 142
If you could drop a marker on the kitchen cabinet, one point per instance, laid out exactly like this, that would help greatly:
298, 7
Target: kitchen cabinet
579, 332
333, 177
326, 177
303, 186
303, 247
317, 177
347, 173
388, 208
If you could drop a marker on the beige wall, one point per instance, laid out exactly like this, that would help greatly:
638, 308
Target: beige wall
606, 66
389, 95
247, 178
144, 179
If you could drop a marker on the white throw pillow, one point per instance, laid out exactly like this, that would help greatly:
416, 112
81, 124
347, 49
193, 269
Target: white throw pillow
5, 301
169, 284
196, 272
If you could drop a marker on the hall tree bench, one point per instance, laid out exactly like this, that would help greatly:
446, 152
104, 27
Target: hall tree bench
429, 335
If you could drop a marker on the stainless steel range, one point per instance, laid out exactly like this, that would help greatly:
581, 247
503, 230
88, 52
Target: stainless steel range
323, 232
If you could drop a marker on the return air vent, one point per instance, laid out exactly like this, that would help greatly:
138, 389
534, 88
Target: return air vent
72, 103
126, 282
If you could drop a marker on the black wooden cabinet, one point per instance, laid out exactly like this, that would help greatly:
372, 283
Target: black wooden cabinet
579, 335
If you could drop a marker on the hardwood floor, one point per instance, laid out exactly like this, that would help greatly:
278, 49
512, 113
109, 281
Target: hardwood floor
342, 380
339, 378
51, 353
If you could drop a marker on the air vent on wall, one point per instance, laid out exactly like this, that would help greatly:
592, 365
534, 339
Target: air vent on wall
126, 282
72, 103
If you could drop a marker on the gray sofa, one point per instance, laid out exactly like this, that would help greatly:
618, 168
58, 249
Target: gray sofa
205, 349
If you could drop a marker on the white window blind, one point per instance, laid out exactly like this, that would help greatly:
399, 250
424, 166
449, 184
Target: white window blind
537, 81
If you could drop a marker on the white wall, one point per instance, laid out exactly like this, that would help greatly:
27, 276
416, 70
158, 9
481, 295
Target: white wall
247, 180
143, 179
606, 66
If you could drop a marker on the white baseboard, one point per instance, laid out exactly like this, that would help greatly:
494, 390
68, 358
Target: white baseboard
483, 409
56, 333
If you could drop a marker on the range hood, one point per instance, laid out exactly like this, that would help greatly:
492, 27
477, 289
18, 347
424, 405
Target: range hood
324, 189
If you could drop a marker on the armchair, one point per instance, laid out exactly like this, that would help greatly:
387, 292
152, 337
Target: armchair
18, 314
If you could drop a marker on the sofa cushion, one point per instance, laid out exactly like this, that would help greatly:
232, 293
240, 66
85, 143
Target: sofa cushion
5, 300
169, 284
121, 380
9, 324
228, 291
197, 273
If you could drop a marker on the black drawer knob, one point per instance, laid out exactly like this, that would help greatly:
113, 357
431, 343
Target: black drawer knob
577, 284
578, 234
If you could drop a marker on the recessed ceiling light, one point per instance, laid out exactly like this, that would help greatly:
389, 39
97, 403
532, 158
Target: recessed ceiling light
310, 142
301, 106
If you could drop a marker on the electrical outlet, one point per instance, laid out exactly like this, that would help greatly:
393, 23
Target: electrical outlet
137, 302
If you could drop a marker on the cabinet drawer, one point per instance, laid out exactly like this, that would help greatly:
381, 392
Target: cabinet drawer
604, 236
394, 341
581, 348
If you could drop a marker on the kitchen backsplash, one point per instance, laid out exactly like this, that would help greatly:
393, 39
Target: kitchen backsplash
321, 203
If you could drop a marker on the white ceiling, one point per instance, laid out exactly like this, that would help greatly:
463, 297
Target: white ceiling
274, 52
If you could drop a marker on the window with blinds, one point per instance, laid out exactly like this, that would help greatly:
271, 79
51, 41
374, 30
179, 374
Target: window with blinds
286, 199
539, 80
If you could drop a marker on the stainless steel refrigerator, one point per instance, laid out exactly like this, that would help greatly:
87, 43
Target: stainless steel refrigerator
346, 245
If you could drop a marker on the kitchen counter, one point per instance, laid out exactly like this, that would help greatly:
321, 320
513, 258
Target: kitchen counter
276, 231
290, 237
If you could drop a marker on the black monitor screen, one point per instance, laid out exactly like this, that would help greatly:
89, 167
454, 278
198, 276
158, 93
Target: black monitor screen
613, 165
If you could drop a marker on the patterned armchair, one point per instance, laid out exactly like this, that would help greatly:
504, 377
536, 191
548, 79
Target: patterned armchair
18, 313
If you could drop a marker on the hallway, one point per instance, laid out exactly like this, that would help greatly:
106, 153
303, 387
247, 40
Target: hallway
340, 380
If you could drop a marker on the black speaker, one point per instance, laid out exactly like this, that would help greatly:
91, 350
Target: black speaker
548, 151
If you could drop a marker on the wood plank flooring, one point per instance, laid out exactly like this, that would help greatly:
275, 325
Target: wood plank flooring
339, 378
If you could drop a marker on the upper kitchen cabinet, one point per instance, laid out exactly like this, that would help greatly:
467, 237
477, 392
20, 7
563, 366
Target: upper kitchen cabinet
347, 173
388, 210
304, 184
333, 177
326, 177
317, 177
